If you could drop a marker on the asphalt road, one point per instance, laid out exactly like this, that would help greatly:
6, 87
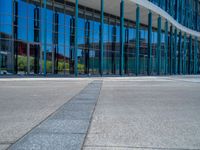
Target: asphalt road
119, 114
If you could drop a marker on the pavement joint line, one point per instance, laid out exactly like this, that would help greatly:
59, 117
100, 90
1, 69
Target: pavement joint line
74, 98
90, 122
131, 147
46, 118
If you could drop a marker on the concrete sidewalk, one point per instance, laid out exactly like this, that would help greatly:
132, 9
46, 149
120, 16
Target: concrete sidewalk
147, 113
131, 113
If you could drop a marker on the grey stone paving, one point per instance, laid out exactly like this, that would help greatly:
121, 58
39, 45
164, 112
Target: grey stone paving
132, 113
4, 146
147, 113
66, 128
24, 103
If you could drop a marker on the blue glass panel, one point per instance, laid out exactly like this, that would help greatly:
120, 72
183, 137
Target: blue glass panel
5, 19
67, 30
22, 8
6, 7
61, 19
105, 36
42, 24
31, 22
6, 16
6, 29
81, 33
49, 26
96, 32
117, 34
22, 33
61, 31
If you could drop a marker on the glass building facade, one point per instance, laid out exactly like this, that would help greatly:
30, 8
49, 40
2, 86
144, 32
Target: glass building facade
64, 38
186, 12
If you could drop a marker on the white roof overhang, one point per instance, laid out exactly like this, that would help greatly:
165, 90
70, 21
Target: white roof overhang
113, 7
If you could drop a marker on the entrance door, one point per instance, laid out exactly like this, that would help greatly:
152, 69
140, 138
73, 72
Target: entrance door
34, 59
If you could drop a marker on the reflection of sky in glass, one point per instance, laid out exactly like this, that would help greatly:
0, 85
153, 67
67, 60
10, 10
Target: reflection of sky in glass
132, 34
63, 34
63, 31
6, 13
49, 26
31, 22
6, 7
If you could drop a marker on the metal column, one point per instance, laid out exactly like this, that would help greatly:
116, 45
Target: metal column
122, 37
190, 56
175, 51
0, 59
177, 11
76, 41
149, 69
184, 54
171, 49
158, 52
102, 33
181, 12
195, 56
180, 53
45, 37
137, 63
166, 48
28, 60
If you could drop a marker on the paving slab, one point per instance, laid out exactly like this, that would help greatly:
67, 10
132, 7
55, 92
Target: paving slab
63, 126
50, 141
58, 132
24, 103
72, 115
4, 146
